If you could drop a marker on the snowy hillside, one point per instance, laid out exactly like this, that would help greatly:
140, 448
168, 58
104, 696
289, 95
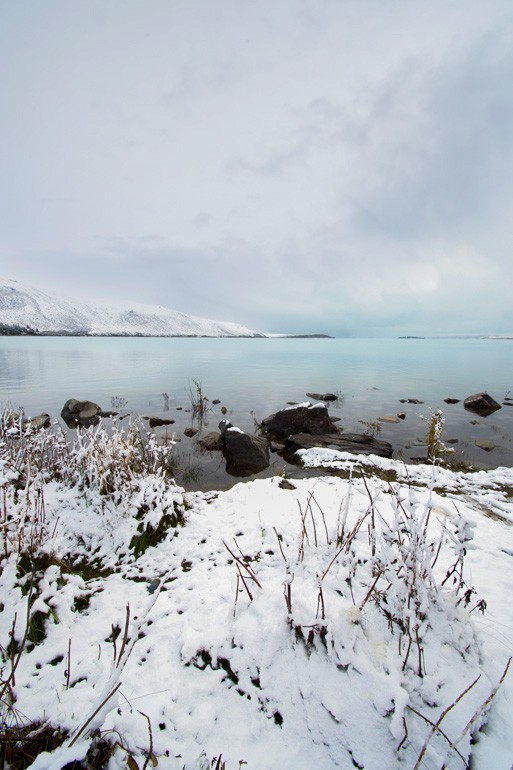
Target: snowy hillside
27, 309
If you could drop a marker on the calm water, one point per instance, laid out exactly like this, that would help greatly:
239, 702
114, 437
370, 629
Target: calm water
254, 377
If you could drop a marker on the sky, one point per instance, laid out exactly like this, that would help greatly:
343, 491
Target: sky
323, 166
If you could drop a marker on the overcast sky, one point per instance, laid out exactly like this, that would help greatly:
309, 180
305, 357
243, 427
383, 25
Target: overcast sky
338, 166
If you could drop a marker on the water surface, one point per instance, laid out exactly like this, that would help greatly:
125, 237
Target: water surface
254, 377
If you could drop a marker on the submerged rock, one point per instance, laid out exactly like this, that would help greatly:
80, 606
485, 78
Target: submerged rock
83, 413
452, 400
211, 442
157, 422
482, 403
389, 418
323, 396
488, 446
304, 418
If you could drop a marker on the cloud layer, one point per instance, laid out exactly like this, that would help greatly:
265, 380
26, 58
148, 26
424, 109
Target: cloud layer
308, 165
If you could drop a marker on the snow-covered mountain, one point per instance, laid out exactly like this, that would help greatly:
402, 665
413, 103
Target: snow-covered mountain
24, 309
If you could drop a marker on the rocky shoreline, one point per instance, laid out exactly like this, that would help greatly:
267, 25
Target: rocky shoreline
296, 427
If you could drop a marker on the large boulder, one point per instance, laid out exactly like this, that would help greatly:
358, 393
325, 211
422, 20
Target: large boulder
356, 443
244, 454
481, 403
303, 418
83, 413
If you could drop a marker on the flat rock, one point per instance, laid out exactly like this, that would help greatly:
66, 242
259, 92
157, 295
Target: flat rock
452, 400
482, 403
410, 401
389, 418
304, 418
157, 422
190, 432
356, 443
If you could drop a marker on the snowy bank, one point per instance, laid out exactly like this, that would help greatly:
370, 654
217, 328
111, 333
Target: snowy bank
324, 623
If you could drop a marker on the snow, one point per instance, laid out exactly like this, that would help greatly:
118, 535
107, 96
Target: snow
25, 306
258, 628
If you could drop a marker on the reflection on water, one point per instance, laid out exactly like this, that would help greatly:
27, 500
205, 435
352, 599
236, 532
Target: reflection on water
253, 377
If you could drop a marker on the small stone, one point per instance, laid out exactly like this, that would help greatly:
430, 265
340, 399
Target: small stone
401, 415
216, 401
224, 410
284, 484
452, 441
389, 418
190, 432
410, 401
452, 400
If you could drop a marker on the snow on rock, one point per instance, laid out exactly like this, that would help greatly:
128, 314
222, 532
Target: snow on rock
30, 309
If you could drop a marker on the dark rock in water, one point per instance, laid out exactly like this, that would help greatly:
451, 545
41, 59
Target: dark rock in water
108, 413
299, 419
244, 454
452, 400
323, 396
410, 401
83, 413
481, 403
401, 415
211, 442
40, 421
157, 422
452, 441
356, 443
223, 410
216, 401
190, 432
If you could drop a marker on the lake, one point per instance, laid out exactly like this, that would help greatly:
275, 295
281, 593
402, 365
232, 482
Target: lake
254, 377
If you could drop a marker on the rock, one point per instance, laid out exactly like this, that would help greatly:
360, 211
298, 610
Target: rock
484, 444
401, 415
410, 401
323, 396
356, 443
223, 410
452, 400
40, 421
276, 446
108, 413
157, 422
284, 484
190, 432
389, 418
83, 413
244, 454
452, 441
507, 403
211, 442
303, 418
216, 401
481, 403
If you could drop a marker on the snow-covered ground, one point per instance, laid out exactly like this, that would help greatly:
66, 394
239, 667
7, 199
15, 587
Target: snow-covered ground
29, 308
326, 622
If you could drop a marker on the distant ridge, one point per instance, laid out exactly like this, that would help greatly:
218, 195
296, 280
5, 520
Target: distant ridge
28, 311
